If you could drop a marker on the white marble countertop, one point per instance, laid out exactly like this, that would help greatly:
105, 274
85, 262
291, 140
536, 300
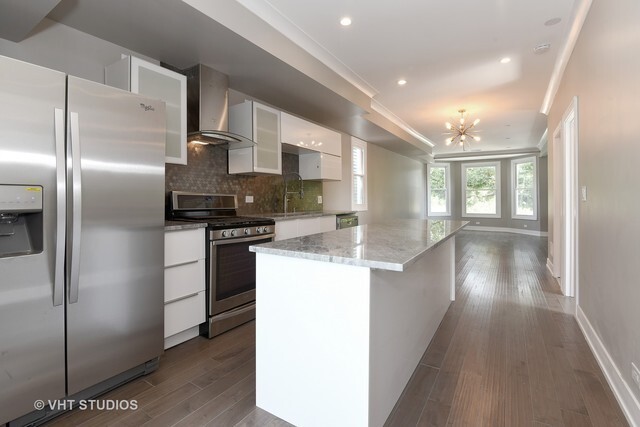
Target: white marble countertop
281, 216
393, 245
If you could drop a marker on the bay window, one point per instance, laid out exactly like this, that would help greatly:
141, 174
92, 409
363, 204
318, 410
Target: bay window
524, 199
438, 189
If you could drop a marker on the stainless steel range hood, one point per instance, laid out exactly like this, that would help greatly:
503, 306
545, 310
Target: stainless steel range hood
208, 109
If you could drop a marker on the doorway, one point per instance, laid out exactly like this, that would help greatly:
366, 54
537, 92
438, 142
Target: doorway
565, 201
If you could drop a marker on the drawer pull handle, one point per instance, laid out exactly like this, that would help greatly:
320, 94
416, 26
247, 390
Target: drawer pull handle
181, 298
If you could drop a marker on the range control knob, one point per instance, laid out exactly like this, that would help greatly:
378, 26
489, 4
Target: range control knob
224, 233
246, 231
233, 232
258, 230
265, 229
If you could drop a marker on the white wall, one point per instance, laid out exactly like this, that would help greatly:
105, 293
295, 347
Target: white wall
396, 186
65, 49
603, 73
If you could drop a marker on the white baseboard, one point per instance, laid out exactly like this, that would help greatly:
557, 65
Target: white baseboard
551, 268
507, 230
627, 400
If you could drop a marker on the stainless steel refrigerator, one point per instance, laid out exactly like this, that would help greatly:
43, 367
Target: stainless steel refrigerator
81, 237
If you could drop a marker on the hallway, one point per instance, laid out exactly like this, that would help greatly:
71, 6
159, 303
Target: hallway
507, 352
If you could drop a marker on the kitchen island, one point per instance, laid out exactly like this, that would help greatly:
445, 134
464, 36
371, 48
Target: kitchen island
343, 318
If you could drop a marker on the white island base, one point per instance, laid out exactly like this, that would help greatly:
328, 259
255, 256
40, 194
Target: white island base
336, 344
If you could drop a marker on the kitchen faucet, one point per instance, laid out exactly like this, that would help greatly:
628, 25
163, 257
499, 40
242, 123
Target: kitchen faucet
286, 192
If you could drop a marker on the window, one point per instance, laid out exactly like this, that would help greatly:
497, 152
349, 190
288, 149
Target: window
358, 175
481, 190
524, 200
438, 189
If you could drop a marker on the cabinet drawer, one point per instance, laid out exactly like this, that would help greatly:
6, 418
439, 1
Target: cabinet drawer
182, 246
184, 314
184, 279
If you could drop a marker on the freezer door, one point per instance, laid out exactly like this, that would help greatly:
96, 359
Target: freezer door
115, 153
31, 326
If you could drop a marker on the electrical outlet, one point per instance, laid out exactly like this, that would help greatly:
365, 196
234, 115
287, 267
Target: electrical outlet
319, 200
525, 226
635, 374
248, 199
583, 192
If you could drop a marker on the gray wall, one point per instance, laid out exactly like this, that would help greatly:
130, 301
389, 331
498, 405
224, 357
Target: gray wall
396, 186
603, 73
505, 198
65, 49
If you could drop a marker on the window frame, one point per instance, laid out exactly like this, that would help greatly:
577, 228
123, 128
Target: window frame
514, 195
357, 143
447, 179
464, 167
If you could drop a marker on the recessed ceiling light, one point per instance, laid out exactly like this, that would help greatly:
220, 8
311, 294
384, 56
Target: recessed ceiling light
402, 82
505, 60
552, 21
345, 21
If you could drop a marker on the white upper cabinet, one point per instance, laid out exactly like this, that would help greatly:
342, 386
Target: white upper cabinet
261, 124
297, 132
320, 167
151, 80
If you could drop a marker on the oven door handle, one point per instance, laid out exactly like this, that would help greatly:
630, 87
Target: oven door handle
244, 239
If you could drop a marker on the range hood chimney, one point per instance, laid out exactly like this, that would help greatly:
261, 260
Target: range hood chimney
208, 109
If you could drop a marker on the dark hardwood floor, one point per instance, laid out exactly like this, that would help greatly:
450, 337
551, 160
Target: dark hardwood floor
507, 353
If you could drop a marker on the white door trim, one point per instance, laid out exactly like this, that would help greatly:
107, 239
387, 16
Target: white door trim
570, 199
555, 262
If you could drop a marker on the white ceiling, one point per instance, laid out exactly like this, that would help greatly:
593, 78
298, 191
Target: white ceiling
295, 55
449, 51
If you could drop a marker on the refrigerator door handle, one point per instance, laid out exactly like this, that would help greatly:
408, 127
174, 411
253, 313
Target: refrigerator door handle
58, 279
76, 184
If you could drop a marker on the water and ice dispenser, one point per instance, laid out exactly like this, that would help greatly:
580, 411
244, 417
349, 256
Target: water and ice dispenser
21, 230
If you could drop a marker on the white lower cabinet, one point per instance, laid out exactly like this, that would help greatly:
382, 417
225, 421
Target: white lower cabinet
184, 285
286, 229
290, 228
321, 224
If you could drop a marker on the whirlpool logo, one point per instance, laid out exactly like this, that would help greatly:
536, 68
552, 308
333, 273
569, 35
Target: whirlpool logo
146, 107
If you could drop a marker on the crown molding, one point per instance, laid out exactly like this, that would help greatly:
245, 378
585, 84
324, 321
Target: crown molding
579, 15
272, 16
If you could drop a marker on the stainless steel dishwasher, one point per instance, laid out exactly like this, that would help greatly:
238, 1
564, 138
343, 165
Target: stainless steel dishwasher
346, 221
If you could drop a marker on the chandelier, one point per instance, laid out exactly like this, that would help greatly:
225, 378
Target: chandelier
460, 134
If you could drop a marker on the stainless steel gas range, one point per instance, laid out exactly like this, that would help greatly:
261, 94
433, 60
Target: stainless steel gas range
231, 272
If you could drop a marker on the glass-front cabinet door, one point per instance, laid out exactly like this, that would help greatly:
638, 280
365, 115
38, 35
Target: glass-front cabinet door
262, 125
267, 154
151, 80
157, 82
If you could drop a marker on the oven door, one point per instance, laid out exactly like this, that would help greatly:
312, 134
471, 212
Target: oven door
232, 272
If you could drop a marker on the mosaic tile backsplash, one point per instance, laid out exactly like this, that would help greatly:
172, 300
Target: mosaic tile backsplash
206, 172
